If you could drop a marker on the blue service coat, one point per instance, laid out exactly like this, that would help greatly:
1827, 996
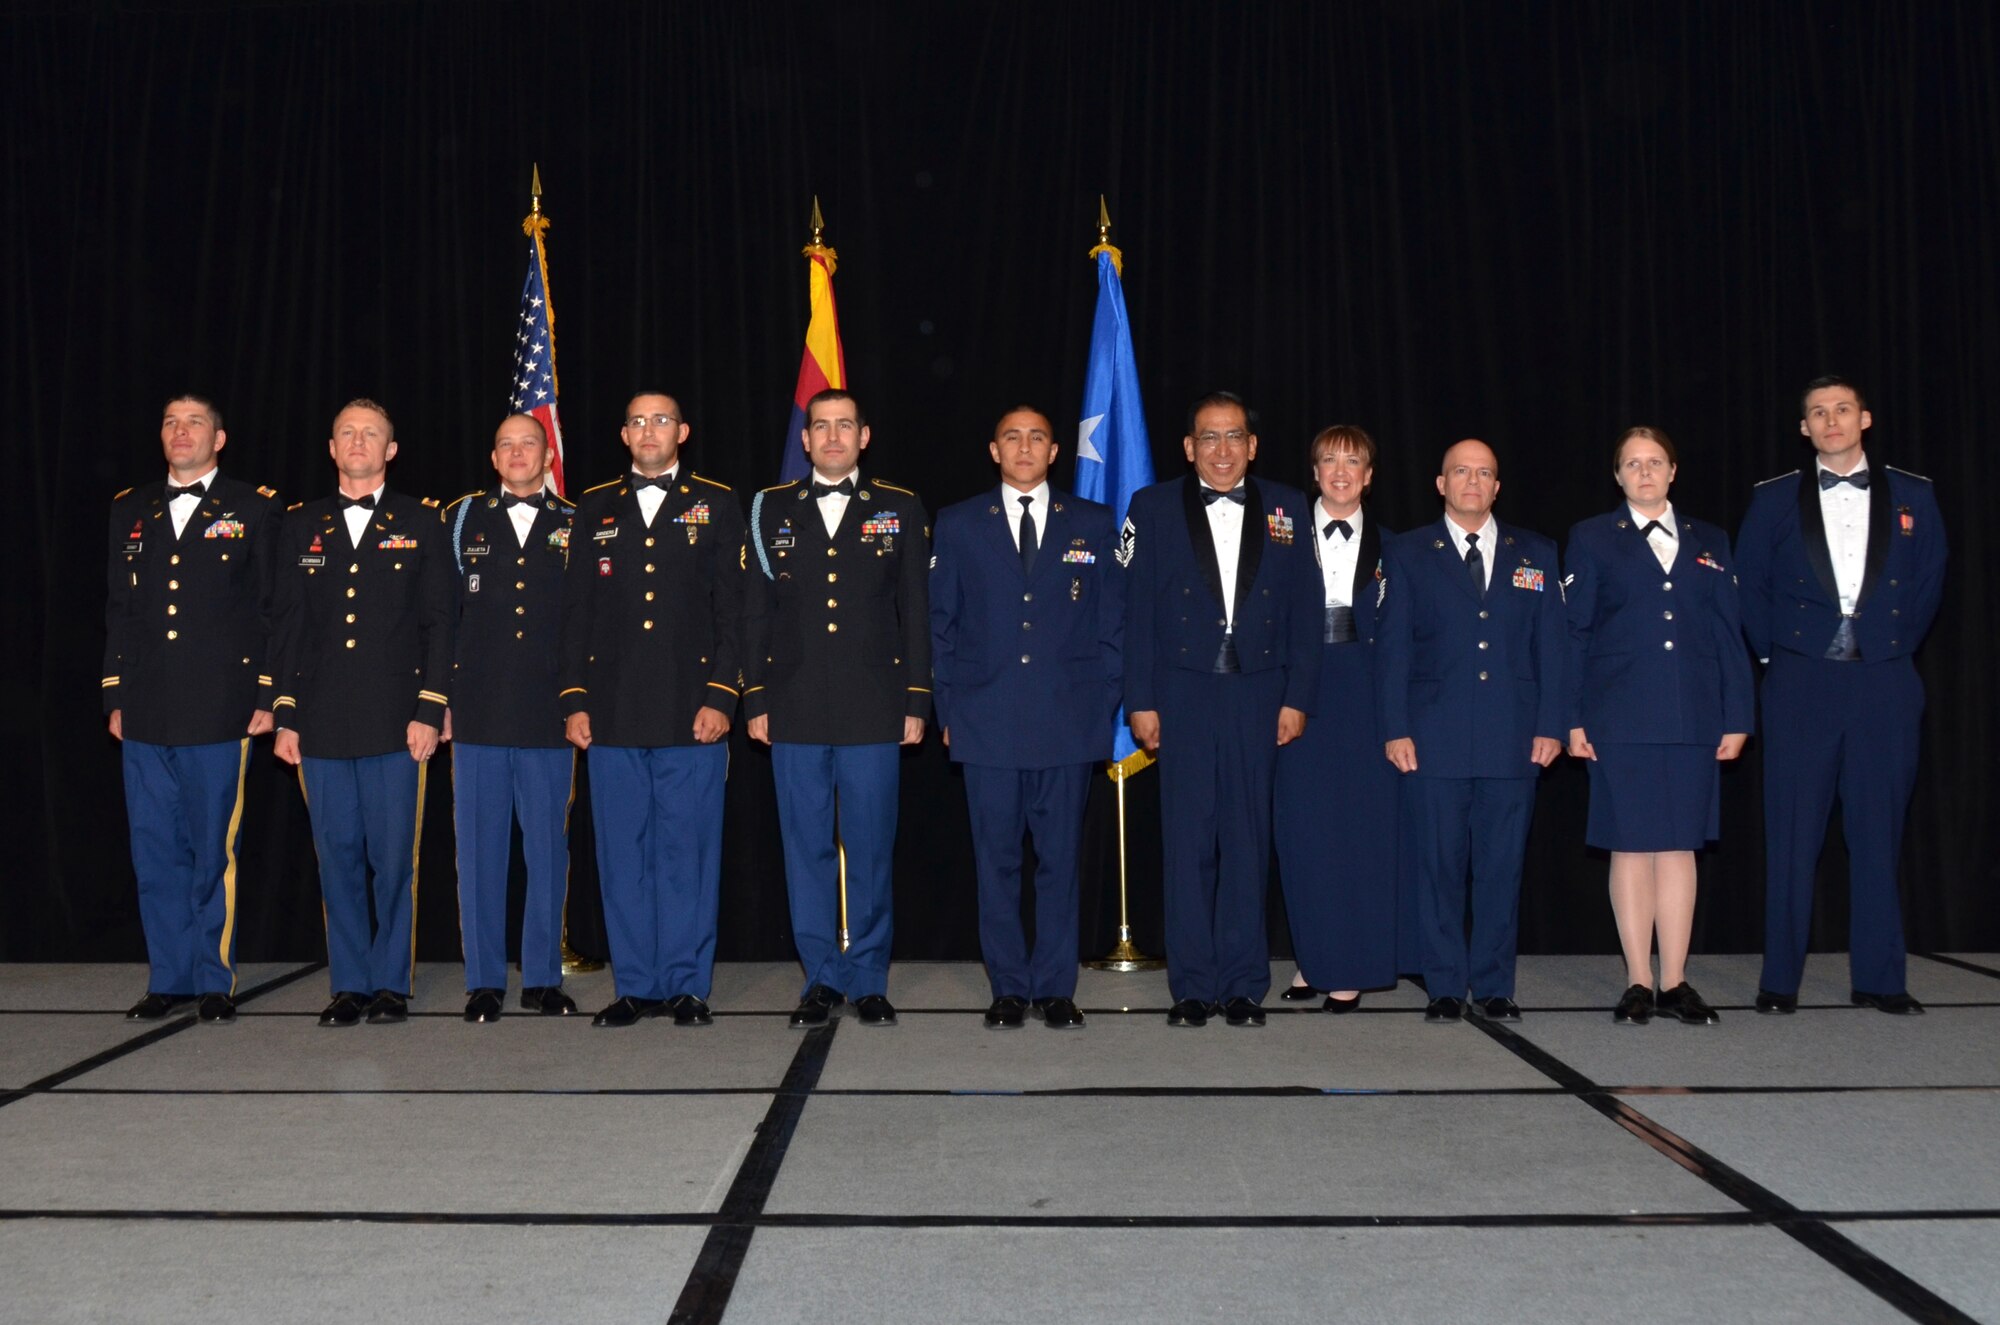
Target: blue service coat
1026, 668
1174, 608
1471, 680
1790, 599
1655, 657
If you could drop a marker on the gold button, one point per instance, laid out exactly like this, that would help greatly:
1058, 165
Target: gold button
831, 577
350, 618
647, 624
520, 611
350, 591
832, 626
649, 568
350, 644
520, 561
173, 634
1482, 676
517, 634
172, 610
832, 552
354, 568
649, 595
520, 584
649, 540
173, 584
175, 560
399, 565
831, 602
225, 556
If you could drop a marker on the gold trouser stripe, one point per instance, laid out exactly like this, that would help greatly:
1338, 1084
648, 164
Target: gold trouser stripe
229, 870
416, 854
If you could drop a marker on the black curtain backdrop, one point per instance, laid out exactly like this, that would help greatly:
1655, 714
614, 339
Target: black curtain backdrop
1531, 223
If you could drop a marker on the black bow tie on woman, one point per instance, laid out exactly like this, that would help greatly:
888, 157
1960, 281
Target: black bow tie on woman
1646, 531
365, 503
845, 488
1829, 480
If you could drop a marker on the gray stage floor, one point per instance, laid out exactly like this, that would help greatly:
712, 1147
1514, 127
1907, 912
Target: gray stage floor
1837, 1165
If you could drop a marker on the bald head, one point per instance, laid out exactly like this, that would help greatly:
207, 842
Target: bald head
1469, 480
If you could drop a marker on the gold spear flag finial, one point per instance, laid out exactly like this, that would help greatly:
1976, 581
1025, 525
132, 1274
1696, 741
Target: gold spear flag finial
534, 224
817, 249
819, 222
1104, 244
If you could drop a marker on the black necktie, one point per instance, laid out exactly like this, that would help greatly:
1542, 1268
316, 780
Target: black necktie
1027, 536
508, 501
1828, 479
664, 482
1650, 525
1210, 496
1346, 529
1475, 565
845, 488
365, 503
194, 490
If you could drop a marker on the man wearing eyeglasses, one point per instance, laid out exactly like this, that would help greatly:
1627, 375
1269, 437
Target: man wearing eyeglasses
363, 642
650, 675
837, 671
510, 544
187, 624
1222, 651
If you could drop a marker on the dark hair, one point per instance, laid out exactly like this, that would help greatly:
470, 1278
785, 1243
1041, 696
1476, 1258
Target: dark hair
835, 393
523, 414
214, 414
1035, 410
1649, 434
1822, 383
652, 391
1343, 437
1215, 398
363, 402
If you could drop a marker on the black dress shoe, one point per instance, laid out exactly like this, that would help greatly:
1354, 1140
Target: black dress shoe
549, 1000
484, 1005
875, 1010
1685, 1006
1340, 1005
154, 1006
1243, 1012
689, 1010
1300, 994
1059, 1014
216, 1009
625, 1012
389, 1008
1898, 1005
345, 1010
1444, 1009
1188, 1012
813, 1009
1006, 1013
1635, 1008
1780, 1005
1496, 1009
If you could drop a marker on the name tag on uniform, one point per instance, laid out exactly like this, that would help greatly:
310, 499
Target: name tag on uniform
1527, 577
224, 529
479, 551
602, 534
312, 561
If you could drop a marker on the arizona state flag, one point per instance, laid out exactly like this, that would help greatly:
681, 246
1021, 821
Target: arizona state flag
823, 365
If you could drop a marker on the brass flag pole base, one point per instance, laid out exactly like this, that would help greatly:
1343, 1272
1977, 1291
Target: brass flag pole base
574, 963
1124, 955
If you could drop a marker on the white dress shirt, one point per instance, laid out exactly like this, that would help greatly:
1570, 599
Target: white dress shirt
1338, 557
523, 518
649, 497
1665, 540
357, 518
834, 504
183, 506
1225, 526
1844, 508
1489, 534
1038, 511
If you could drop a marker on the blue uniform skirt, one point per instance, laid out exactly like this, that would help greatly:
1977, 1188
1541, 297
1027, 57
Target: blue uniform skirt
1338, 842
1654, 797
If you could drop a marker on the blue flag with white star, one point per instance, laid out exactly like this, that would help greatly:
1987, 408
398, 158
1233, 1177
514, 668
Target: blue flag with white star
1113, 457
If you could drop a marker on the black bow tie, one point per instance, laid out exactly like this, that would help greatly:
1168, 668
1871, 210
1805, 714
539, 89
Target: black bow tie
845, 488
1346, 529
1829, 480
664, 482
194, 490
508, 501
1210, 496
365, 503
1646, 531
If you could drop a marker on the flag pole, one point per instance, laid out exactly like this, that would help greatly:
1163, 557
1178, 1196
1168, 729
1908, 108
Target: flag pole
813, 249
1125, 955
534, 224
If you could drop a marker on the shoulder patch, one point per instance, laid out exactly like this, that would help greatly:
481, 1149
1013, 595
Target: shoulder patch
271, 493
1790, 473
1921, 478
602, 486
699, 478
122, 495
295, 505
430, 502
876, 482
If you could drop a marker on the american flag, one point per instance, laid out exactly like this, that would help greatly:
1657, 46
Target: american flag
533, 389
